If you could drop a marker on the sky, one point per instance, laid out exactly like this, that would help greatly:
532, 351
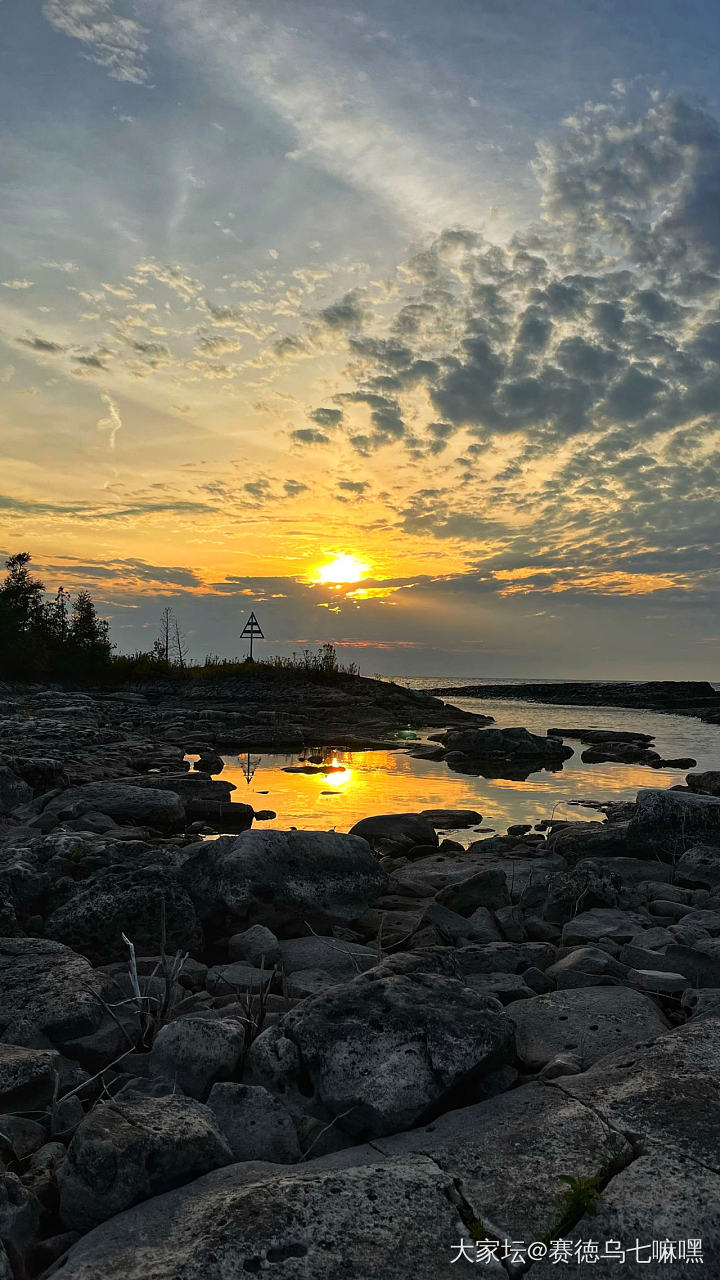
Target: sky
426, 293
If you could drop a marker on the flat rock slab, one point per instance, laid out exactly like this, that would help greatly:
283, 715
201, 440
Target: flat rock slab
674, 820
46, 993
125, 803
589, 1021
387, 1219
660, 1196
667, 1092
601, 922
511, 1152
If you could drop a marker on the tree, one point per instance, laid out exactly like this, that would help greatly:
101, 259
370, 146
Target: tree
21, 595
88, 633
166, 629
179, 645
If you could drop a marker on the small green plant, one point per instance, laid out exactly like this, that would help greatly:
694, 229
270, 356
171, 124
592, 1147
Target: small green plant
580, 1198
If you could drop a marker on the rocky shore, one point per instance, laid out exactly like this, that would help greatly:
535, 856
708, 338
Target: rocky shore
305, 1054
681, 697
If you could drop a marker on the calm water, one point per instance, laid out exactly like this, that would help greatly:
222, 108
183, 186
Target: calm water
391, 781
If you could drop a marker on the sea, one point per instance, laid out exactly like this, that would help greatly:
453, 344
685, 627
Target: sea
356, 784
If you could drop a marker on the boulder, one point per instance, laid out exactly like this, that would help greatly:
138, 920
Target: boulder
673, 821
378, 1219
195, 1051
125, 804
383, 1051
255, 1124
257, 945
591, 1021
137, 902
283, 877
316, 962
451, 819
484, 889
125, 1152
46, 993
699, 867
601, 922
13, 790
400, 829
27, 1078
515, 746
706, 784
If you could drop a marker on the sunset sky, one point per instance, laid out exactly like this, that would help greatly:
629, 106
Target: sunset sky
431, 290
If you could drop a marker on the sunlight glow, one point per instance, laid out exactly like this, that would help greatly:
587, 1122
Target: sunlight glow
343, 568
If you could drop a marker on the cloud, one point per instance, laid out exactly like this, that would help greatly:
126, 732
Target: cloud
43, 345
114, 42
17, 284
307, 435
113, 422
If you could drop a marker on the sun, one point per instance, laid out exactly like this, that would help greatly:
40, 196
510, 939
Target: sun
342, 569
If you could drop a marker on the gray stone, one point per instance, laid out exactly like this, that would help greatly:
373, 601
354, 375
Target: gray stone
224, 979
699, 867
659, 1196
484, 889
673, 821
196, 1051
401, 829
46, 993
384, 1219
379, 1052
13, 791
591, 1022
124, 803
255, 1124
257, 944
338, 959
134, 902
601, 922
276, 877
657, 983
511, 1152
19, 1219
706, 784
125, 1152
451, 819
27, 1077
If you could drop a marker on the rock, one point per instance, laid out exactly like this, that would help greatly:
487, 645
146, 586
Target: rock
581, 840
279, 877
255, 1125
455, 929
484, 889
699, 867
587, 885
13, 791
135, 902
46, 993
27, 1078
602, 735
379, 1219
238, 978
257, 944
125, 1152
196, 1052
592, 1022
588, 960
400, 829
124, 803
620, 753
519, 829
339, 961
19, 1220
23, 1136
657, 983
451, 819
673, 821
600, 922
510, 1154
507, 747
706, 784
653, 1199
380, 1052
